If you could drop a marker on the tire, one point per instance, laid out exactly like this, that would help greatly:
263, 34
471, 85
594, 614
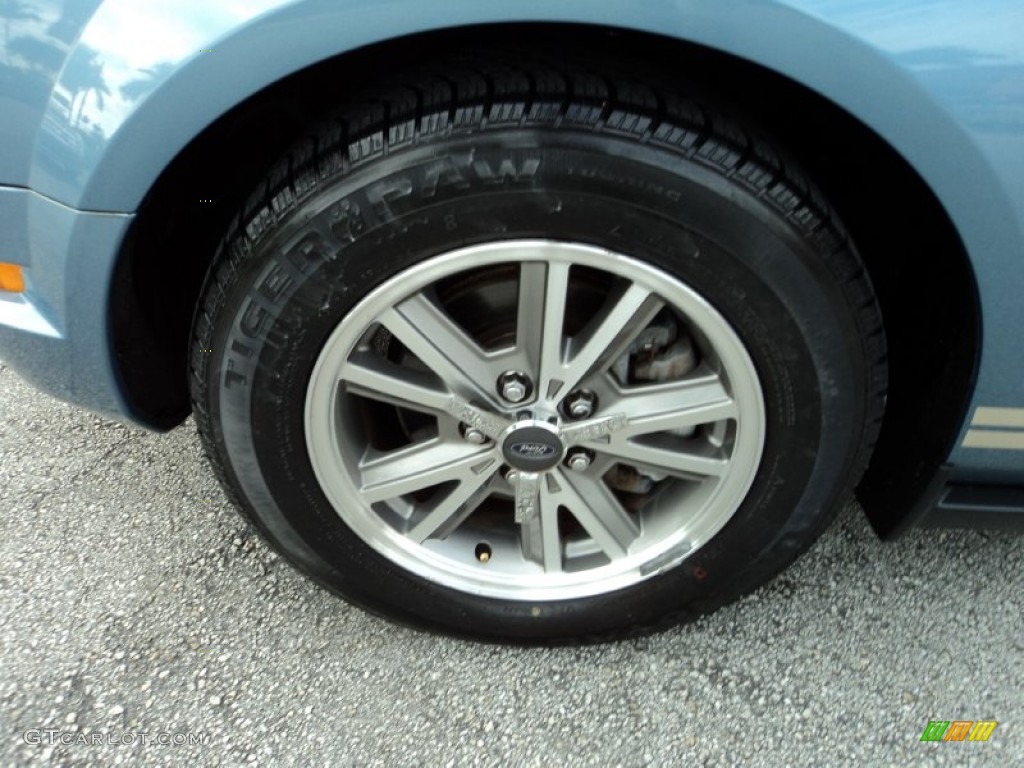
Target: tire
530, 353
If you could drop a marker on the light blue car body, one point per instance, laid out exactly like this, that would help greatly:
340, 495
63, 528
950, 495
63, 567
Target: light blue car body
98, 96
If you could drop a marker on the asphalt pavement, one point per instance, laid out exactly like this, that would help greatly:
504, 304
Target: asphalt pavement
137, 608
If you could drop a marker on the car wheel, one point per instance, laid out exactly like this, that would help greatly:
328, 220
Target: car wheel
535, 354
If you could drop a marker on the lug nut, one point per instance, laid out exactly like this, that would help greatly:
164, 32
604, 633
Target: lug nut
514, 386
511, 476
578, 461
580, 404
474, 436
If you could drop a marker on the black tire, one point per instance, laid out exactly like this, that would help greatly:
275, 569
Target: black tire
425, 165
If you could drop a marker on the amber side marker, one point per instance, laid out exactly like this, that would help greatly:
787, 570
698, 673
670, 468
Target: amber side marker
11, 278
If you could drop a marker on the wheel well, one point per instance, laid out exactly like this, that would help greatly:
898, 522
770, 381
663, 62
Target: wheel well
921, 273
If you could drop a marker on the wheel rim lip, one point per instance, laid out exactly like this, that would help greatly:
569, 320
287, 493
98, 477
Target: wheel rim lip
325, 451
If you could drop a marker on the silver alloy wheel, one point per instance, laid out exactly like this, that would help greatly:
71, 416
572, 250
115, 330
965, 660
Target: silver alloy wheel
401, 381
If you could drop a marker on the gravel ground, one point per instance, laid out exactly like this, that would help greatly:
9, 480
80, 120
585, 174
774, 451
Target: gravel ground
133, 599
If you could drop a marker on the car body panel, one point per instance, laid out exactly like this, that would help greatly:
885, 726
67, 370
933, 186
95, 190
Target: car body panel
53, 334
99, 96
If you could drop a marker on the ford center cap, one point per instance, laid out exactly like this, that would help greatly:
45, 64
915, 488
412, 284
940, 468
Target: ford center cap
533, 446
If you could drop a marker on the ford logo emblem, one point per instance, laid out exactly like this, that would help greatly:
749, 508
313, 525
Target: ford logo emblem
532, 450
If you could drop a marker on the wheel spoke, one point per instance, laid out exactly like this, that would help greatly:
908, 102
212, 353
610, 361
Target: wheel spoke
594, 430
442, 346
539, 535
675, 405
445, 515
664, 455
527, 496
371, 376
600, 513
418, 466
489, 423
607, 337
543, 292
